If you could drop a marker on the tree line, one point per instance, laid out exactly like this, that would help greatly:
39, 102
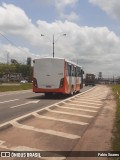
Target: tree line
16, 68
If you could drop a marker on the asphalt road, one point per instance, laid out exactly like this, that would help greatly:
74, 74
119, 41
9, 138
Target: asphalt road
19, 103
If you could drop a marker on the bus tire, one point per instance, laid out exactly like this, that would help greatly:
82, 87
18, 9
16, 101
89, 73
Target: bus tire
72, 91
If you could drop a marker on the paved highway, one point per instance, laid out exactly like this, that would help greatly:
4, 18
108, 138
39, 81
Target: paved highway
18, 103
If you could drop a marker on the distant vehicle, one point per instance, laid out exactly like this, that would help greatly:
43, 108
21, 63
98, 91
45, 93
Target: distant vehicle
23, 81
56, 75
90, 79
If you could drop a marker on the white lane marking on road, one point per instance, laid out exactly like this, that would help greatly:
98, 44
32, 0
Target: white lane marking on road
60, 120
19, 148
1, 142
73, 101
90, 98
72, 114
46, 131
77, 109
79, 105
25, 104
12, 100
96, 97
86, 100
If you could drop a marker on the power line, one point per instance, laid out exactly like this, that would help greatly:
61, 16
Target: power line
12, 42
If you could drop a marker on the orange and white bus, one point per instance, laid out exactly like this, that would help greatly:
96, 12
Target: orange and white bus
56, 75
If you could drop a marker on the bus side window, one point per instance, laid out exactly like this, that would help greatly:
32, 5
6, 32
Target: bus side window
68, 69
72, 70
79, 72
75, 71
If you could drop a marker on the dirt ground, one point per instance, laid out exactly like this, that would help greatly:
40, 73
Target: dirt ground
99, 134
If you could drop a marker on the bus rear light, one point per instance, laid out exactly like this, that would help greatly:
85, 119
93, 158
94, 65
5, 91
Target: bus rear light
61, 82
35, 83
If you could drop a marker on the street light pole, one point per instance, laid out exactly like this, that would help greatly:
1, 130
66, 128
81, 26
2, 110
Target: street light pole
53, 46
53, 42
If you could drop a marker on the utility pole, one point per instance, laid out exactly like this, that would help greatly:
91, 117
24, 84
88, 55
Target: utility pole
53, 41
8, 58
53, 46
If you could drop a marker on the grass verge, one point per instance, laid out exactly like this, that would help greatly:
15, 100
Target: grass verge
116, 131
6, 88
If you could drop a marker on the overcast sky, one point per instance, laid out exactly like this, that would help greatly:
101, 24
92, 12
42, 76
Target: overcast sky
92, 28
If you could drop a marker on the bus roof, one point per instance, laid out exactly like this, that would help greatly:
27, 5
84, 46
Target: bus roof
61, 59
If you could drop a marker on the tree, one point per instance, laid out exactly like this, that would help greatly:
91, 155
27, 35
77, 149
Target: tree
13, 68
14, 61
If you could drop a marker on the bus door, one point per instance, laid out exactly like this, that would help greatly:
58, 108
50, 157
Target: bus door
72, 78
82, 72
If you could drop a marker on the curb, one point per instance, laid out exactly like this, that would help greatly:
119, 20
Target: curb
5, 126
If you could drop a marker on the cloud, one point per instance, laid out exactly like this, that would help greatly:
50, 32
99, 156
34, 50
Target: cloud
14, 21
61, 6
57, 3
18, 53
70, 17
111, 7
13, 16
96, 49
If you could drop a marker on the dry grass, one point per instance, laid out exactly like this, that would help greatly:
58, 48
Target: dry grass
116, 133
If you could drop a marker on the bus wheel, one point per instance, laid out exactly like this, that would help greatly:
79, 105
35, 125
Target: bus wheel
78, 91
72, 91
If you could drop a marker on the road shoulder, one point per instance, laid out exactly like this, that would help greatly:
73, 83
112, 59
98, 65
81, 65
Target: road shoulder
99, 134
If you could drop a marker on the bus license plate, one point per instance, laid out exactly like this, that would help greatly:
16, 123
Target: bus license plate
48, 86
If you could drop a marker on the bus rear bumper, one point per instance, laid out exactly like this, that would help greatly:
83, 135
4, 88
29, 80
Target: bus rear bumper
42, 90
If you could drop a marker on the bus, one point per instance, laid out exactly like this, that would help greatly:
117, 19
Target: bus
56, 75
